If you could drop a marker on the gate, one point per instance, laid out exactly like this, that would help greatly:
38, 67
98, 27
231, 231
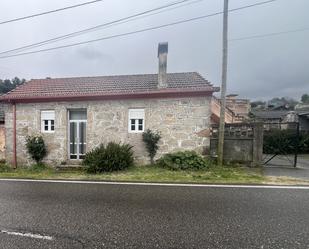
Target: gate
281, 144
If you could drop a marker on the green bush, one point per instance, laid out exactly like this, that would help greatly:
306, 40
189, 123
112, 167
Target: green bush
151, 140
285, 142
4, 168
36, 148
113, 157
187, 160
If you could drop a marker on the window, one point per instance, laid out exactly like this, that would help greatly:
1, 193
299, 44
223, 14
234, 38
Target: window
136, 120
48, 121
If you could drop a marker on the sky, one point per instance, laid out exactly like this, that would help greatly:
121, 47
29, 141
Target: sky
259, 69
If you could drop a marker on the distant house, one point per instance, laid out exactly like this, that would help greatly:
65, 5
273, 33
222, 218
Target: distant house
237, 110
302, 111
240, 107
74, 115
269, 116
215, 112
281, 119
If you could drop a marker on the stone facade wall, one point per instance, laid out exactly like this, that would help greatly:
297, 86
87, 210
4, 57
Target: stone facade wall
2, 142
182, 123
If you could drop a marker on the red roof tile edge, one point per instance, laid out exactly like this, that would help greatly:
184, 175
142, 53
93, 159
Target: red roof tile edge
164, 93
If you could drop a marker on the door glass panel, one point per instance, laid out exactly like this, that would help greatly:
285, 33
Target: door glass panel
79, 114
73, 138
82, 138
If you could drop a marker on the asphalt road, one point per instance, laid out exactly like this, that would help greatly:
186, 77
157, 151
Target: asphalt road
283, 166
121, 216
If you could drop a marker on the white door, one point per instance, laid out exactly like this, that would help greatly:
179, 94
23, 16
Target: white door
77, 133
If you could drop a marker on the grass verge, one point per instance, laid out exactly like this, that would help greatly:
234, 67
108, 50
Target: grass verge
222, 175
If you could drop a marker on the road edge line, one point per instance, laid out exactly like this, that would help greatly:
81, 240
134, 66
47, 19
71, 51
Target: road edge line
159, 184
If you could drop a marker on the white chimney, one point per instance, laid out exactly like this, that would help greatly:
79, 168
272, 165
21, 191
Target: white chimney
162, 55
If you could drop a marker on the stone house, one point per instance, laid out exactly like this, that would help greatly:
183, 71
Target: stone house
75, 115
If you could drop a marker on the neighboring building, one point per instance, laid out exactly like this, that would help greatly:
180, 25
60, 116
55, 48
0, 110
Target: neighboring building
236, 111
282, 119
215, 112
270, 118
74, 115
302, 111
240, 107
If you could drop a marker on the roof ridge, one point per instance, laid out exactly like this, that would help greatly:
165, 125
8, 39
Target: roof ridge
116, 75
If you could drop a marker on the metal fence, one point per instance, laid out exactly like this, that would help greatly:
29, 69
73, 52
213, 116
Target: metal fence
281, 144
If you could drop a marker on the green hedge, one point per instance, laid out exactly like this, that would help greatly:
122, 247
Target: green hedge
112, 157
187, 160
285, 142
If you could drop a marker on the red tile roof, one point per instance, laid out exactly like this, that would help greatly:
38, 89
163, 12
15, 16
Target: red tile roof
120, 85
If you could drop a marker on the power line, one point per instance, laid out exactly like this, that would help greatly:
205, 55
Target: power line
109, 24
268, 34
136, 31
105, 25
49, 12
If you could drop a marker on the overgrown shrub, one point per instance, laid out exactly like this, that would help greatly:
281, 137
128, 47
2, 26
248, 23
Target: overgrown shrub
285, 142
36, 148
4, 168
151, 140
187, 160
112, 157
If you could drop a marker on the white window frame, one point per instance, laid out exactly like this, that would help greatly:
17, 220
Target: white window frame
49, 116
137, 114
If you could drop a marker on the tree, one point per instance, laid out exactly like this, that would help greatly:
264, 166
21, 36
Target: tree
36, 148
8, 85
151, 140
258, 104
285, 103
305, 98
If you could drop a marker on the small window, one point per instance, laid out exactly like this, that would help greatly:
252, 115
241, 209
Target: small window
136, 120
48, 121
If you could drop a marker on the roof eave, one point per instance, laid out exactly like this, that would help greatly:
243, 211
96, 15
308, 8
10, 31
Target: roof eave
142, 95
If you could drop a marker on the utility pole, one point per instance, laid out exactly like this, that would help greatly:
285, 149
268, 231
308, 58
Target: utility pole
223, 84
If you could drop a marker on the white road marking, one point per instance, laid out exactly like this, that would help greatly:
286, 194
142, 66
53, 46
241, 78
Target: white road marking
161, 184
29, 235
